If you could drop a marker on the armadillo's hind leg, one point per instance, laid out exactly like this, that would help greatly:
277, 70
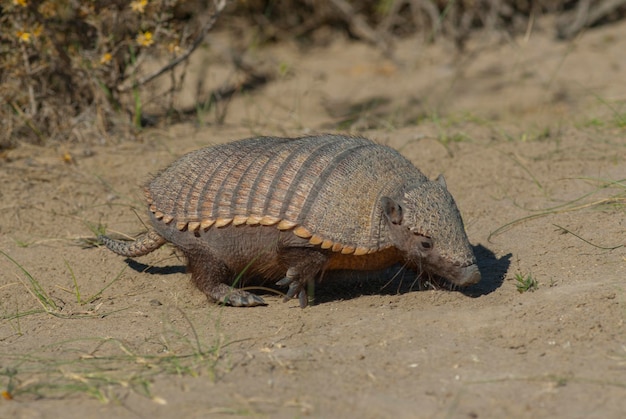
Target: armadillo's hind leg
211, 276
304, 267
143, 245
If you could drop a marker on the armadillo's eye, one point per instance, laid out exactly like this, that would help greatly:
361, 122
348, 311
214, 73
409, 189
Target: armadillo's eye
425, 243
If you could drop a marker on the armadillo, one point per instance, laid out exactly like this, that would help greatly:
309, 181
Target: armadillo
289, 209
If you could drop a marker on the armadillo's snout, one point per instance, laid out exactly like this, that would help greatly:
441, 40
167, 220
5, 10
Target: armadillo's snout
469, 275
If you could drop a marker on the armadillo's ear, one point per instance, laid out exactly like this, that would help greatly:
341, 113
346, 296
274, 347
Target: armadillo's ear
392, 210
442, 181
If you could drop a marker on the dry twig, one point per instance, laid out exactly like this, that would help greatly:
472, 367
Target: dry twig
587, 16
219, 6
359, 26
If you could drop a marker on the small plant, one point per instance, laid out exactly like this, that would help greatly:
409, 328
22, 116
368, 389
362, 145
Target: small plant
619, 117
97, 229
525, 283
35, 289
79, 298
47, 302
22, 243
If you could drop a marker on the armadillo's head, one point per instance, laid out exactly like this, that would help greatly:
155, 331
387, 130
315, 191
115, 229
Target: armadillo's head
425, 224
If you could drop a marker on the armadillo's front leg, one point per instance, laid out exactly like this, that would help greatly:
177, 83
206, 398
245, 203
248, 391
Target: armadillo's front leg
304, 267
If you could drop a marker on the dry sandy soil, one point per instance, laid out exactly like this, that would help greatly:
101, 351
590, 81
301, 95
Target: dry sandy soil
526, 127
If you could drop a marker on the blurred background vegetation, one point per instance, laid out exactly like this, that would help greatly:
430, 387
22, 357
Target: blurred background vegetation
73, 70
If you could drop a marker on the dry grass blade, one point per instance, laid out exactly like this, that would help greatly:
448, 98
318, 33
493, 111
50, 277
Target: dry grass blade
35, 289
587, 241
618, 199
109, 367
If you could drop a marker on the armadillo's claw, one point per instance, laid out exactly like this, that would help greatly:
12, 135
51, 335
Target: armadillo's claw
245, 299
303, 298
295, 288
284, 281
223, 294
258, 301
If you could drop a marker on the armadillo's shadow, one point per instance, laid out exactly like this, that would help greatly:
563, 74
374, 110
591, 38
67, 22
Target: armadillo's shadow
492, 269
347, 285
155, 270
398, 281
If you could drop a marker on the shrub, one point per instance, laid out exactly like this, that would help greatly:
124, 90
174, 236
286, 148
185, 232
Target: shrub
69, 66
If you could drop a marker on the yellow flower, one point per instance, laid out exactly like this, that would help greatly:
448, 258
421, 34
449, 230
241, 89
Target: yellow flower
23, 36
67, 158
22, 3
145, 39
138, 5
106, 57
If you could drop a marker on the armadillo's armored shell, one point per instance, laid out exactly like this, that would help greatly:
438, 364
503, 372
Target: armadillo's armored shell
323, 188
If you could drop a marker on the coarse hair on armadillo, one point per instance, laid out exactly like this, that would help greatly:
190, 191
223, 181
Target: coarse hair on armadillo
323, 188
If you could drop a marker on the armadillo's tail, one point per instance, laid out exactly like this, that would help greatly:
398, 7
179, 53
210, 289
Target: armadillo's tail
143, 245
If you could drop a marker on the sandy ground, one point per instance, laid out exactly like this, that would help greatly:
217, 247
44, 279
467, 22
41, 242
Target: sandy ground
520, 128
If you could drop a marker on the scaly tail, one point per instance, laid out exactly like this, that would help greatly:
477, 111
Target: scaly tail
143, 245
